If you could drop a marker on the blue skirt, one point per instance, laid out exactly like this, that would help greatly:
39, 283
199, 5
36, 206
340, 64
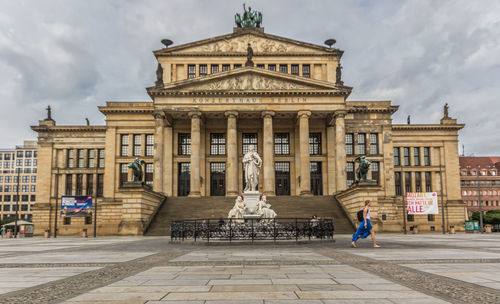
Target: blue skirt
362, 232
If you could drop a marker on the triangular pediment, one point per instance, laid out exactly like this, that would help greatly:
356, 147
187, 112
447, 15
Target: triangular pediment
237, 43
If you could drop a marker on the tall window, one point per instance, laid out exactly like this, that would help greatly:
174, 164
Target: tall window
90, 185
150, 142
217, 144
418, 182
350, 173
295, 69
406, 156
81, 159
271, 67
123, 173
71, 158
314, 143
373, 143
203, 69
362, 143
427, 156
408, 182
349, 144
149, 174
375, 168
191, 71
261, 66
428, 182
214, 68
79, 184
281, 143
69, 184
137, 144
226, 67
306, 70
100, 184
91, 158
124, 149
249, 139
397, 182
416, 156
20, 154
101, 158
184, 143
283, 68
397, 160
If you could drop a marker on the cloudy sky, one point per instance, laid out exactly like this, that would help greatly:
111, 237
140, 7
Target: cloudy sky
75, 55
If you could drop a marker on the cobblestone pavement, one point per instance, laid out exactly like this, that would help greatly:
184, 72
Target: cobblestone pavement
427, 268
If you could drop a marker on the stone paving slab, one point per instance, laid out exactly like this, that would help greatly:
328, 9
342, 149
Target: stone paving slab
251, 255
422, 254
93, 256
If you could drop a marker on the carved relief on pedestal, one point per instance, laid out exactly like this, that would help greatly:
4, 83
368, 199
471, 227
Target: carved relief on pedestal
250, 82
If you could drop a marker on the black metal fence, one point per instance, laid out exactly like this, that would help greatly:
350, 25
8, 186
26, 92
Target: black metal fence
251, 229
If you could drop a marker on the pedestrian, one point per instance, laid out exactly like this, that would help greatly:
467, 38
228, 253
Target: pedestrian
365, 227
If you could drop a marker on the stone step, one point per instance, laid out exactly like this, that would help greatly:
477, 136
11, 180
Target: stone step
177, 208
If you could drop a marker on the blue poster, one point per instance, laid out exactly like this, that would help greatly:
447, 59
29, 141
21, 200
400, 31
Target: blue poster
76, 206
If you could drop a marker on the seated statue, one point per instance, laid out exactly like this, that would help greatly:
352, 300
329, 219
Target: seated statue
238, 210
264, 209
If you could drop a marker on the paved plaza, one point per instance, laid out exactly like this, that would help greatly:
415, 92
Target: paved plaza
426, 268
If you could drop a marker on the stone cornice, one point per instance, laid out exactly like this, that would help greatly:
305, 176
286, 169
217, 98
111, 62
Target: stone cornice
369, 109
426, 127
69, 129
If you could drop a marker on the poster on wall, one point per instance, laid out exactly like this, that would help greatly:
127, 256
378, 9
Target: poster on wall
422, 203
76, 206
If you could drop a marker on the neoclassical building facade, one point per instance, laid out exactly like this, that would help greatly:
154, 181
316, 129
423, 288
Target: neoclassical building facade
213, 99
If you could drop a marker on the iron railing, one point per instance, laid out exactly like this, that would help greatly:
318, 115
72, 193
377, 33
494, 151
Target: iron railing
251, 229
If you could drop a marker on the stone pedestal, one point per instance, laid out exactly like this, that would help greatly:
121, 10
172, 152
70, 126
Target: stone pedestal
251, 199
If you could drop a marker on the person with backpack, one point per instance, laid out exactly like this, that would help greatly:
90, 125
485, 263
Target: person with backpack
365, 227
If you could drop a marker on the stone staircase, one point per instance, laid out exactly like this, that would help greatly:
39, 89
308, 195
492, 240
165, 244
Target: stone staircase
176, 208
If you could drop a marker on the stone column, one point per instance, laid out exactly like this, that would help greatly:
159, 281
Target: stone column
232, 154
331, 147
168, 163
305, 164
340, 157
195, 153
268, 157
158, 151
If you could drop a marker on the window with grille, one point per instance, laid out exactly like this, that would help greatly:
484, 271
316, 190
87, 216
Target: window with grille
150, 142
373, 143
79, 184
88, 220
7, 188
314, 143
306, 70
226, 67
91, 158
20, 154
32, 198
149, 174
428, 182
26, 179
124, 148
214, 68
427, 156
406, 156
281, 144
375, 169
90, 185
19, 162
282, 167
191, 71
237, 66
123, 173
67, 221
408, 182
25, 188
203, 69
349, 144
295, 69
184, 143
71, 158
101, 158
418, 182
80, 156
350, 173
283, 68
271, 67
249, 139
416, 156
396, 157
14, 189
6, 198
8, 179
69, 184
261, 66
35, 153
35, 162
362, 143
430, 217
410, 217
100, 184
33, 188
218, 167
397, 182
217, 144
137, 144
28, 153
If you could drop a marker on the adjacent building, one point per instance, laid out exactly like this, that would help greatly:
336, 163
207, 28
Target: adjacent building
479, 175
18, 170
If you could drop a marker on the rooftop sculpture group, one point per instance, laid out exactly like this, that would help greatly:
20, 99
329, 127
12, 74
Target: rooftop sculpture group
249, 19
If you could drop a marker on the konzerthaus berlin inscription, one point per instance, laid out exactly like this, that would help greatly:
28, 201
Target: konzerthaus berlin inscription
215, 98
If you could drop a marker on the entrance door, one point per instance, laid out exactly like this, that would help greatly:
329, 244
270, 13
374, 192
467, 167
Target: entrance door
183, 179
217, 179
316, 179
282, 178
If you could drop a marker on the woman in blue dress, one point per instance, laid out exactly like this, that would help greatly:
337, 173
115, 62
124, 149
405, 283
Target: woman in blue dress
365, 227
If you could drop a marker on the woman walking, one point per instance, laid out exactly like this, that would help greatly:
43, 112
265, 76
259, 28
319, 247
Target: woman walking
365, 227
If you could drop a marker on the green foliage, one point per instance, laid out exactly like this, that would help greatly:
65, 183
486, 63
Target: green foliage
475, 216
491, 217
7, 220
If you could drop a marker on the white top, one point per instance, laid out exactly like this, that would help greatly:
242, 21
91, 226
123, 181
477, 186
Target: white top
368, 214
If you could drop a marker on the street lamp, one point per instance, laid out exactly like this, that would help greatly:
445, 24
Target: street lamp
17, 206
56, 208
403, 190
479, 200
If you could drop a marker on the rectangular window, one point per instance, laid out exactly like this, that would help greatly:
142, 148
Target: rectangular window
79, 184
28, 153
350, 173
410, 217
15, 179
184, 144
226, 67
397, 159
203, 69
314, 143
70, 162
35, 153
406, 156
150, 143
32, 198
428, 182
408, 182
100, 184
7, 157
236, 66
90, 185
306, 70
35, 162
19, 162
281, 144
1, 179
361, 143
124, 149
271, 67
80, 155
416, 156
418, 182
6, 207
349, 144
24, 207
69, 184
91, 157
427, 156
27, 162
20, 154
284, 68
191, 71
33, 188
25, 188
8, 179
375, 169
214, 68
137, 144
27, 170
373, 143
14, 189
249, 139
430, 217
397, 182
101, 158
26, 179
1, 189
217, 144
149, 174
6, 198
261, 66
6, 165
295, 69
7, 188
88, 220
123, 173
67, 221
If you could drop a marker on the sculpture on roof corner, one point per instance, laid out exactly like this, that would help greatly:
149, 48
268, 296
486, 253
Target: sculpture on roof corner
249, 19
49, 113
445, 110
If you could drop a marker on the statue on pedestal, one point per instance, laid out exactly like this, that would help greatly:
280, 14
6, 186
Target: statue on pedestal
362, 170
252, 163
